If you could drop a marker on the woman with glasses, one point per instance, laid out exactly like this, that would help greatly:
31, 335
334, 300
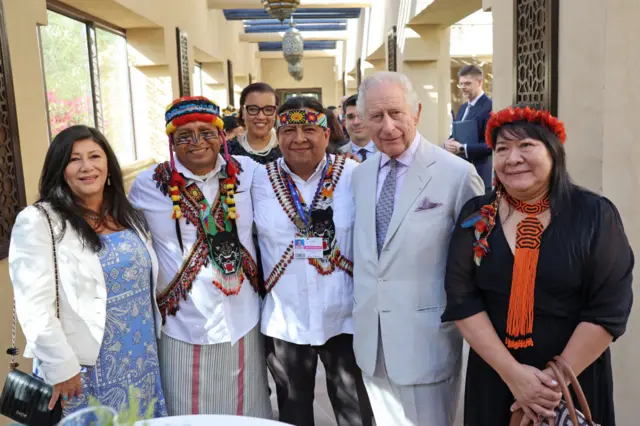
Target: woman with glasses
258, 103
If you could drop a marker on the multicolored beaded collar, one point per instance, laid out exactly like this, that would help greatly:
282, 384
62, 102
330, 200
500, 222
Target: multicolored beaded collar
320, 211
302, 116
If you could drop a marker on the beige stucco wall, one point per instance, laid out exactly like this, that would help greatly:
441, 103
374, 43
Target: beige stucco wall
154, 81
318, 72
21, 20
598, 101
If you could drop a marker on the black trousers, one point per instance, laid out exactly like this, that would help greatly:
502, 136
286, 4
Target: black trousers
294, 370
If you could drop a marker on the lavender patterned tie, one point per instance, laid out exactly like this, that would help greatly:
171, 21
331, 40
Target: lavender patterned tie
384, 208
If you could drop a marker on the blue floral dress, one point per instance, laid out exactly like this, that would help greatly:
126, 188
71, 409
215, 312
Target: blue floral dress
129, 352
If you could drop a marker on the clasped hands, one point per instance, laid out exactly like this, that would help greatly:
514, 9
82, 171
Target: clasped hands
453, 146
536, 392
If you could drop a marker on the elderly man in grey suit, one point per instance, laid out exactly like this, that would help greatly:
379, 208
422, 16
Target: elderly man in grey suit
408, 197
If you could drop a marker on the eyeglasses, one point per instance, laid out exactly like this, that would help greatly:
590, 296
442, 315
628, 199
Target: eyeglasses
193, 137
268, 110
464, 84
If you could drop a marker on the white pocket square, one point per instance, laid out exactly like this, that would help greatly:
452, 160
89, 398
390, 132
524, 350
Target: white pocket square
427, 204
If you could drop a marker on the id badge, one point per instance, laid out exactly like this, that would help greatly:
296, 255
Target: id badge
307, 248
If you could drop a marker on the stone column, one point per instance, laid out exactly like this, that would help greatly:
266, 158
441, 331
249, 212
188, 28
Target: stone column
425, 59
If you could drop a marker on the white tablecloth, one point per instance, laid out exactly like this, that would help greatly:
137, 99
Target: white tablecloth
208, 420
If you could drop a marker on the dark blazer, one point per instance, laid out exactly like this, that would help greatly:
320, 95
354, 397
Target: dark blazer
479, 153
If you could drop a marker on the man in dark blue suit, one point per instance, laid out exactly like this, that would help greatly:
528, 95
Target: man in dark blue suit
478, 108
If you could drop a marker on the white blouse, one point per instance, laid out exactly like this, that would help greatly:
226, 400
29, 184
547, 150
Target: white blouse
304, 307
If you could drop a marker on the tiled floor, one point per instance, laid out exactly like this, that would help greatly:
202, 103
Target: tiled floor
322, 407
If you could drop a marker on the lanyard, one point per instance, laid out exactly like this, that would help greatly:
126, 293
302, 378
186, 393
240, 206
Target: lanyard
298, 200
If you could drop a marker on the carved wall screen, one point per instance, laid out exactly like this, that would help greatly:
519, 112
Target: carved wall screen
536, 53
392, 42
230, 83
12, 197
184, 76
344, 83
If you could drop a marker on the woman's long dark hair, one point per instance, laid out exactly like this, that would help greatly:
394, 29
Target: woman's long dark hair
55, 190
566, 198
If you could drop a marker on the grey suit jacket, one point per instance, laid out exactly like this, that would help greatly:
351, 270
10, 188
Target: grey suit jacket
346, 148
403, 289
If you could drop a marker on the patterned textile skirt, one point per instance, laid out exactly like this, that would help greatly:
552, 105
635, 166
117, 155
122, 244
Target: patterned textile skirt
216, 379
128, 356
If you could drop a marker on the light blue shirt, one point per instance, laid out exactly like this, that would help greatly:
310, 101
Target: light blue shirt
370, 148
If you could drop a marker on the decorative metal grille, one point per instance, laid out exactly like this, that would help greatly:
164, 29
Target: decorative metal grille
536, 53
230, 89
392, 41
184, 75
12, 197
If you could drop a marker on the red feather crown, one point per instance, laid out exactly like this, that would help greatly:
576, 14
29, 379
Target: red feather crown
513, 114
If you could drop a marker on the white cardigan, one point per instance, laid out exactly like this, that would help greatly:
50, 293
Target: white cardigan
61, 344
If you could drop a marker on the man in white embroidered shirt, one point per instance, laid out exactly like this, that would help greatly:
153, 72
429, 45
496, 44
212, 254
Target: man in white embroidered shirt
198, 208
408, 198
306, 195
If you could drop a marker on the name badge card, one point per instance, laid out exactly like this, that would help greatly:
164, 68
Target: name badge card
307, 248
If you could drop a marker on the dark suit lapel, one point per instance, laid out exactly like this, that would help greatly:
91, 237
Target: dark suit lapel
477, 108
461, 111
418, 176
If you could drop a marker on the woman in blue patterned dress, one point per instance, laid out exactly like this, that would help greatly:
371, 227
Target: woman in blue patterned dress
104, 339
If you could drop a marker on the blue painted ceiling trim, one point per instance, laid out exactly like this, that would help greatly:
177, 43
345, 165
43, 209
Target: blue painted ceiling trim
276, 46
282, 28
256, 22
329, 13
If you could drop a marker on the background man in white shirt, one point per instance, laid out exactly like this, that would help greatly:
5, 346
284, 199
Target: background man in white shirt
307, 311
361, 145
211, 352
408, 198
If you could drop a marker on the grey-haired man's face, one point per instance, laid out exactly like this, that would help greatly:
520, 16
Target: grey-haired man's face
390, 120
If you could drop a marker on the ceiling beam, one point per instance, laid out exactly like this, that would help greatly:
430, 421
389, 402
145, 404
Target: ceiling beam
310, 4
445, 12
307, 36
251, 29
260, 22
